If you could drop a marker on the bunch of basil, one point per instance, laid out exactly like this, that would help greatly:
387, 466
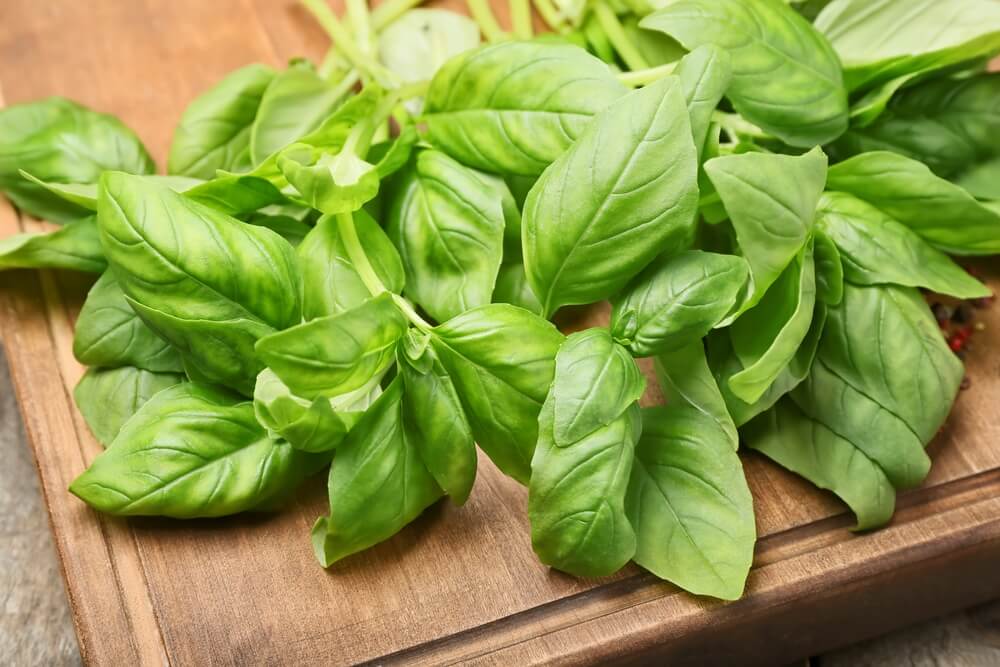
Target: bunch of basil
308, 288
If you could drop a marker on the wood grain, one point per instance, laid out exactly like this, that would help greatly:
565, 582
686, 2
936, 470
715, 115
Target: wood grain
460, 583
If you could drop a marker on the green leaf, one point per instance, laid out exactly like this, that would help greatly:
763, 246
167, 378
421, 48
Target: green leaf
981, 180
191, 451
514, 107
234, 194
502, 361
77, 246
296, 102
378, 483
311, 426
434, 415
513, 288
60, 141
942, 213
333, 355
877, 250
689, 504
419, 42
829, 268
291, 229
879, 40
447, 221
676, 301
725, 363
766, 337
595, 381
706, 74
655, 47
685, 378
330, 281
786, 76
588, 427
771, 200
108, 397
85, 194
207, 283
109, 333
625, 192
330, 182
214, 131
949, 124
810, 449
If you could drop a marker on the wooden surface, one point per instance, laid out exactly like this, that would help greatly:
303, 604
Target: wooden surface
460, 583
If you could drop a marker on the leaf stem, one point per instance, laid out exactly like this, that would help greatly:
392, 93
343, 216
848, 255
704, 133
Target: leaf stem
520, 18
737, 126
551, 16
356, 253
411, 313
357, 14
643, 77
616, 35
482, 14
389, 11
341, 37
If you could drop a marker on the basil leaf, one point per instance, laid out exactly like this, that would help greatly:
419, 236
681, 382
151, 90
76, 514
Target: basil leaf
108, 397
191, 451
676, 301
689, 504
810, 449
685, 378
447, 222
77, 246
214, 131
330, 281
625, 192
513, 288
329, 182
433, 412
291, 229
706, 74
502, 360
296, 102
879, 40
85, 194
378, 483
336, 354
888, 403
878, 250
420, 41
725, 363
982, 180
311, 426
943, 214
786, 76
767, 336
207, 283
109, 333
588, 427
829, 267
60, 141
514, 107
949, 124
771, 200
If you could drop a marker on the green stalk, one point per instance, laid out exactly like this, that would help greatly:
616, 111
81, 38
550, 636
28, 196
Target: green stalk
346, 45
357, 14
551, 16
520, 18
356, 253
482, 14
333, 64
644, 77
735, 125
389, 11
616, 34
416, 89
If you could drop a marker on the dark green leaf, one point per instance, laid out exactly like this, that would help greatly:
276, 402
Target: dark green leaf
513, 288
829, 269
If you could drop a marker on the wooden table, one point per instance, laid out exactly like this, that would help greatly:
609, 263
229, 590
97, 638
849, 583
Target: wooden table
461, 583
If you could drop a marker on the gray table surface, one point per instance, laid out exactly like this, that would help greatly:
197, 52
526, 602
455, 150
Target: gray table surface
36, 628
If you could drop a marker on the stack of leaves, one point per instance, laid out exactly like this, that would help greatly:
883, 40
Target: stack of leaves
354, 265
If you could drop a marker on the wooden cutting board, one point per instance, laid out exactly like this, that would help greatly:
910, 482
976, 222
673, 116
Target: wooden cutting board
460, 583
